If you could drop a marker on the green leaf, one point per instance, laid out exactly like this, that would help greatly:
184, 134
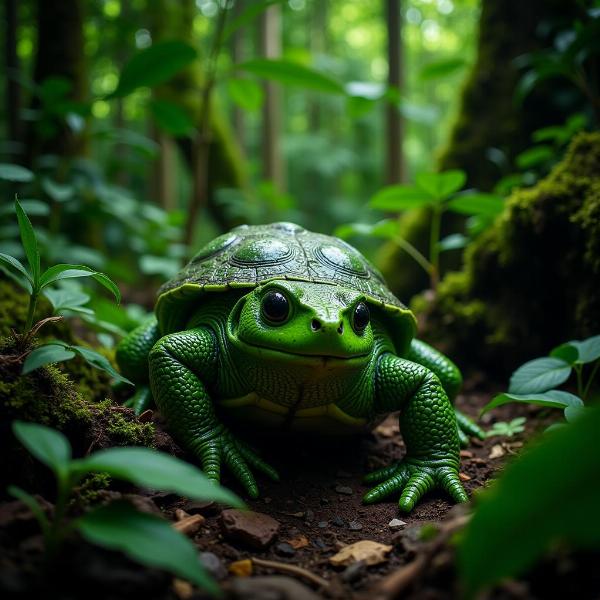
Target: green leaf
441, 68
37, 208
10, 262
46, 355
68, 300
146, 539
588, 350
533, 157
572, 413
65, 271
154, 65
552, 399
246, 93
548, 494
248, 14
539, 375
100, 362
396, 198
387, 229
15, 173
29, 242
291, 73
171, 117
59, 192
477, 204
566, 352
441, 186
47, 445
149, 468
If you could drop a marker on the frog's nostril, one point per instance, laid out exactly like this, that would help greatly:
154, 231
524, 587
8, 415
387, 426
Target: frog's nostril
340, 329
315, 325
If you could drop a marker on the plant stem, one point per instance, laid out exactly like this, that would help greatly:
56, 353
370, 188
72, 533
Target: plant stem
414, 254
434, 240
588, 385
63, 482
32, 304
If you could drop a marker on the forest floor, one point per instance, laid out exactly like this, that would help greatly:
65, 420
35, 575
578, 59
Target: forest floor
318, 510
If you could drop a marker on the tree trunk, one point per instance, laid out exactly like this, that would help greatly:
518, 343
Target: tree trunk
270, 47
13, 91
60, 53
395, 130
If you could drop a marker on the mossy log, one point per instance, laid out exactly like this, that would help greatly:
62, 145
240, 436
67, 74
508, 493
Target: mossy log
532, 280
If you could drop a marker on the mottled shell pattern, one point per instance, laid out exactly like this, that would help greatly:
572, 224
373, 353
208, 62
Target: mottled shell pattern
248, 256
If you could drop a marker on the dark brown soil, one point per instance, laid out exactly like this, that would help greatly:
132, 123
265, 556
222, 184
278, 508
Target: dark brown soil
316, 521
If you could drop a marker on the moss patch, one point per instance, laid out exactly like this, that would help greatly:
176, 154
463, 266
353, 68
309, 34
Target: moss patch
533, 279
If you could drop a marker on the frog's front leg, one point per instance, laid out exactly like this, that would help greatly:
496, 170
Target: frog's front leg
451, 380
429, 429
181, 364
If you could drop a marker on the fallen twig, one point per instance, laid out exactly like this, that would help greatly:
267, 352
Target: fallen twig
293, 569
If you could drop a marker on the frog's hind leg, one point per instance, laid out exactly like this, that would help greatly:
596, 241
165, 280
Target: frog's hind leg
132, 357
451, 380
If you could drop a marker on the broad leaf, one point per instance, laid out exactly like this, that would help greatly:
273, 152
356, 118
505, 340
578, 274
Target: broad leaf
539, 375
100, 362
246, 93
566, 352
68, 300
48, 445
552, 399
291, 73
154, 65
65, 271
46, 355
550, 493
396, 198
441, 68
15, 173
477, 204
532, 157
441, 186
145, 538
572, 413
588, 350
10, 262
59, 192
149, 468
29, 242
171, 117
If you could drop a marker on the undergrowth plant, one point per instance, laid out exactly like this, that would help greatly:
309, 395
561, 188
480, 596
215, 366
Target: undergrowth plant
36, 282
145, 538
438, 192
537, 380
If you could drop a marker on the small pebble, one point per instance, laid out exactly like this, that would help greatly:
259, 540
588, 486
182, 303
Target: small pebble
285, 549
213, 565
338, 521
396, 524
343, 489
322, 524
319, 543
355, 526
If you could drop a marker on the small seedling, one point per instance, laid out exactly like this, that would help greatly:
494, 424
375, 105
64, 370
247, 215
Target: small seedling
507, 428
535, 382
36, 282
145, 538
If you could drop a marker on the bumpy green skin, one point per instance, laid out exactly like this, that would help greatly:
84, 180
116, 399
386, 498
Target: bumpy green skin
316, 370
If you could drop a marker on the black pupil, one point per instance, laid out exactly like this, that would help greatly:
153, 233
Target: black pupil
361, 317
275, 306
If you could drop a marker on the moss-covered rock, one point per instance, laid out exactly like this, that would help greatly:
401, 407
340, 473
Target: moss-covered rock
533, 279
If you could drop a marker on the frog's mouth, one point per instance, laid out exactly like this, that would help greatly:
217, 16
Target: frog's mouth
278, 355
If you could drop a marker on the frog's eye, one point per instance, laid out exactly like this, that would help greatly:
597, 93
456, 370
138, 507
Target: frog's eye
361, 317
275, 307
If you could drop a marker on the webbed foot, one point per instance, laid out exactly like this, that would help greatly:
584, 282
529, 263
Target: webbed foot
413, 481
221, 446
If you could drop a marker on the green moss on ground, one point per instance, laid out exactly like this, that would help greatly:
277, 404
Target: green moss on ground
533, 279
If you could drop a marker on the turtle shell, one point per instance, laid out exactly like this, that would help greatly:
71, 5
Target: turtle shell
248, 256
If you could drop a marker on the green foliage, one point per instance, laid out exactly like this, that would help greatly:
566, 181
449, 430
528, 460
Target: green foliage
548, 495
144, 538
17, 173
507, 428
171, 118
438, 193
532, 382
